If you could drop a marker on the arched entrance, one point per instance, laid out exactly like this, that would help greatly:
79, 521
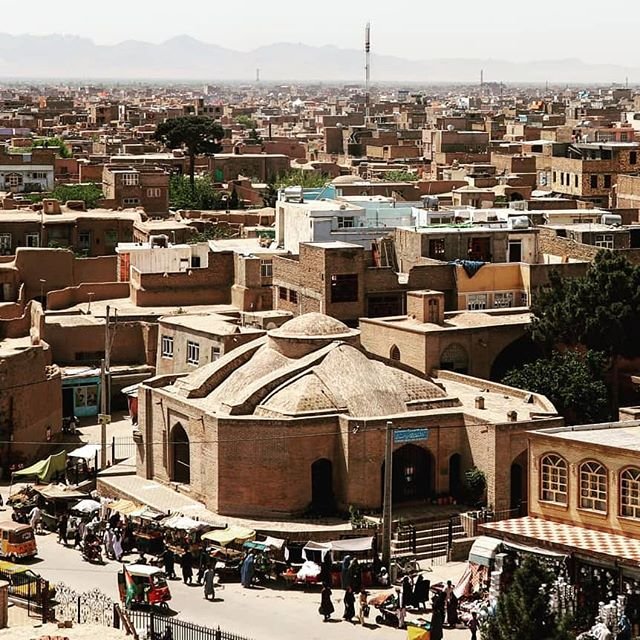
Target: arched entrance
322, 498
394, 353
412, 474
519, 352
455, 475
181, 459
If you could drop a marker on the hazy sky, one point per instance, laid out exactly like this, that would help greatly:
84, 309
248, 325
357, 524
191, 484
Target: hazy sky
421, 29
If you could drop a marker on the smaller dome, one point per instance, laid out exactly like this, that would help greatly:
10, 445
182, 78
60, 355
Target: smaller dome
346, 179
313, 325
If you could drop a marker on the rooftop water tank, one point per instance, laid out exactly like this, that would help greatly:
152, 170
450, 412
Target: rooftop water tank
519, 222
611, 219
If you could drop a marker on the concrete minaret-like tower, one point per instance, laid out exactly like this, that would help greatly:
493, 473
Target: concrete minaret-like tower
367, 64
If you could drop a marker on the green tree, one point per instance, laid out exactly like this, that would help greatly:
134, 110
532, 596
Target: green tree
196, 134
398, 175
202, 196
599, 312
572, 380
90, 193
246, 121
51, 143
523, 610
254, 136
270, 195
301, 178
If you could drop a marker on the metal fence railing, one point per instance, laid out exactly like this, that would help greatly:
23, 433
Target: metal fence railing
122, 448
155, 626
28, 590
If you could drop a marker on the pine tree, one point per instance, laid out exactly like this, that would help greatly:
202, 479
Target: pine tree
523, 611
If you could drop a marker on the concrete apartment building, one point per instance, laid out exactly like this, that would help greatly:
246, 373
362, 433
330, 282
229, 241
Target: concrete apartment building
311, 377
130, 187
25, 172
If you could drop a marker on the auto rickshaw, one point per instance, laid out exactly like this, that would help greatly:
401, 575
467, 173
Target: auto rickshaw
150, 586
17, 541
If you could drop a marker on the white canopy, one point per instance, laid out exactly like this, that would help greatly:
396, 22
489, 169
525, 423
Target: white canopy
86, 506
86, 452
177, 521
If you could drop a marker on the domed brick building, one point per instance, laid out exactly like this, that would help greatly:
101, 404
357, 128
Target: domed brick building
295, 421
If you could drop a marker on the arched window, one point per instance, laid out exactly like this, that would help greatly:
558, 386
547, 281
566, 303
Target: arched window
630, 493
553, 479
394, 354
593, 486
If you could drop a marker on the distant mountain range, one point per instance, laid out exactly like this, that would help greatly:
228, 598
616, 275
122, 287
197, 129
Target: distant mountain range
185, 58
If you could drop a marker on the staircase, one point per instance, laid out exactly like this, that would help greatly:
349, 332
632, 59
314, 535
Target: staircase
431, 539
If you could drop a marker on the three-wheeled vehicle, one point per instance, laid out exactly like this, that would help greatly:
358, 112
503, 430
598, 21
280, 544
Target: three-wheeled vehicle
17, 541
150, 586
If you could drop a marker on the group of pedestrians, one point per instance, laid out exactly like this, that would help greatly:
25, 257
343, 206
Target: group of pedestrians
349, 600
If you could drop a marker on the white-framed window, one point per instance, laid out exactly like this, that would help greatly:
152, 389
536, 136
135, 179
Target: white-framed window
216, 352
604, 240
266, 268
503, 300
39, 175
153, 192
167, 347
130, 201
593, 486
5, 241
553, 479
13, 180
630, 493
476, 301
193, 352
346, 222
524, 299
32, 239
131, 179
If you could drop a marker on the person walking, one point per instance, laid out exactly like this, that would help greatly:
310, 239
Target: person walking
34, 519
326, 606
473, 625
349, 605
246, 571
63, 523
209, 577
186, 563
168, 559
363, 607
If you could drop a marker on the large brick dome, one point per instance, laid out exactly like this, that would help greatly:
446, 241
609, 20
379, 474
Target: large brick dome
313, 325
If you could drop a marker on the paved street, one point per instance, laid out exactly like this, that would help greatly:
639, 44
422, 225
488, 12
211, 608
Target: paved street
271, 613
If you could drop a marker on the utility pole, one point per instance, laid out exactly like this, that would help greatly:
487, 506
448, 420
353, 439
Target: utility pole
386, 508
105, 397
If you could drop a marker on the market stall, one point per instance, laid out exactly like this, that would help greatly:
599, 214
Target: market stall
43, 471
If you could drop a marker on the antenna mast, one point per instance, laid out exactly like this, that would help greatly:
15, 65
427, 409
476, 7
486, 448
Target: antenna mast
367, 65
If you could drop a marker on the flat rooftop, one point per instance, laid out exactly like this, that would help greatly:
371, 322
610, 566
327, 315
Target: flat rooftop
67, 215
457, 320
214, 324
11, 346
618, 435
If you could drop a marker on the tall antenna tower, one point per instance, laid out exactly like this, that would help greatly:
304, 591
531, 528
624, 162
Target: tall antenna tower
258, 75
367, 64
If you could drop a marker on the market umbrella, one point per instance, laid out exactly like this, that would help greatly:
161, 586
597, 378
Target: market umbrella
233, 533
86, 506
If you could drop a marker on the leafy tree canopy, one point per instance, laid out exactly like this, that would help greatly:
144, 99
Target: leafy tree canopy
573, 381
523, 611
203, 196
599, 311
52, 143
301, 178
398, 175
90, 193
246, 121
197, 134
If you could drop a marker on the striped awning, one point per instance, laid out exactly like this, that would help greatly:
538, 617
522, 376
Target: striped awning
567, 537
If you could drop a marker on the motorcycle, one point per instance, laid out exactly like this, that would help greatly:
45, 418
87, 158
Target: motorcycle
92, 553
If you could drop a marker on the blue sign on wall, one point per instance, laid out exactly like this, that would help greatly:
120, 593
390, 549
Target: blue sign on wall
410, 435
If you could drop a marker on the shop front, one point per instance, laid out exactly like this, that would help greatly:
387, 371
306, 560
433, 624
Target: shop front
80, 392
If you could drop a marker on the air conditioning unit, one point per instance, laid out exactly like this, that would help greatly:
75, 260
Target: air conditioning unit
519, 222
611, 219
